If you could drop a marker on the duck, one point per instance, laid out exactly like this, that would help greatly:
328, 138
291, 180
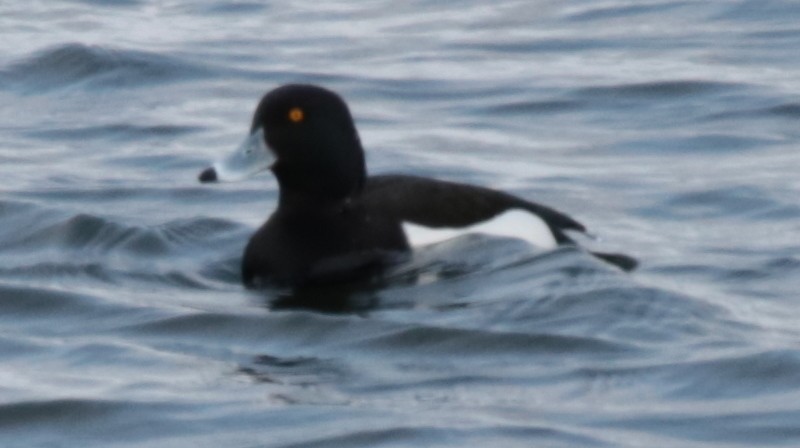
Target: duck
335, 223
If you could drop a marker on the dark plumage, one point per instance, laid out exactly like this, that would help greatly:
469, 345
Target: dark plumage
333, 223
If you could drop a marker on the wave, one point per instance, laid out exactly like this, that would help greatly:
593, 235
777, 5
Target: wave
115, 131
744, 201
91, 233
659, 89
92, 67
788, 110
49, 244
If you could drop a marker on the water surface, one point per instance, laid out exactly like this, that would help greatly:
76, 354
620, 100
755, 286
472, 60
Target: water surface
669, 127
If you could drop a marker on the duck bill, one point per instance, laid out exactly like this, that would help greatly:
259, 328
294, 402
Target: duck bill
251, 157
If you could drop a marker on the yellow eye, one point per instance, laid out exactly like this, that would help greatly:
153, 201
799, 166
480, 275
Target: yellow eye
296, 115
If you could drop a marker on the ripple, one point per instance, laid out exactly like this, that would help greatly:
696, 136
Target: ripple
475, 435
789, 110
644, 315
86, 247
56, 411
786, 110
742, 201
771, 372
433, 341
94, 67
232, 8
118, 131
297, 371
33, 301
92, 233
783, 265
732, 426
17, 347
753, 11
533, 107
658, 89
613, 11
55, 311
101, 422
111, 3
708, 143
541, 45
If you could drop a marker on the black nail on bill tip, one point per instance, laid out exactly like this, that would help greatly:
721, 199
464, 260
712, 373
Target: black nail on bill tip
208, 175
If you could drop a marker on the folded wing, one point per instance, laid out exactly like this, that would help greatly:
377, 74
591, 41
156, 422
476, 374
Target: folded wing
441, 204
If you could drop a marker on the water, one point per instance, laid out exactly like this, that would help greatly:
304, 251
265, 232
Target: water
669, 127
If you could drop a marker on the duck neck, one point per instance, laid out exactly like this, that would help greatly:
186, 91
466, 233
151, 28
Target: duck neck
317, 185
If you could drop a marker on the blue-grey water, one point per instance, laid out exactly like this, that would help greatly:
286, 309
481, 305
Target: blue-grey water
670, 127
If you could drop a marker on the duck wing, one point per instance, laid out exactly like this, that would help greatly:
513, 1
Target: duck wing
438, 204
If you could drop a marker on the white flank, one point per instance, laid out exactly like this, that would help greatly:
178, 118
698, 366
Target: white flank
511, 224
